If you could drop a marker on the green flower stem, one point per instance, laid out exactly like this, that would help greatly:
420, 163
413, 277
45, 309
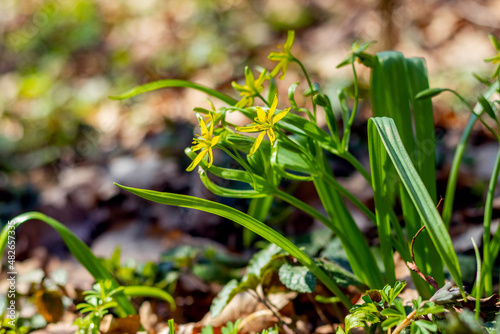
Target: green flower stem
473, 112
259, 209
457, 158
452, 179
312, 117
263, 99
360, 257
334, 183
242, 162
304, 207
356, 164
488, 257
347, 134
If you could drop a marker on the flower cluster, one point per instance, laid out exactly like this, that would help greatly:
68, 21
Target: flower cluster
265, 120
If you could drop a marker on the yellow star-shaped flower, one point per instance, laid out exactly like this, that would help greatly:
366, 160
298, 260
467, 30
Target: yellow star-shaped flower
265, 123
251, 89
204, 142
285, 57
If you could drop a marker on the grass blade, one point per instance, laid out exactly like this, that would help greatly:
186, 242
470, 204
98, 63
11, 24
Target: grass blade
150, 291
246, 221
173, 83
79, 250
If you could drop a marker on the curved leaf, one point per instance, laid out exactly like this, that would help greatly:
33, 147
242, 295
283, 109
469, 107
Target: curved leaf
79, 250
173, 83
246, 221
382, 131
149, 291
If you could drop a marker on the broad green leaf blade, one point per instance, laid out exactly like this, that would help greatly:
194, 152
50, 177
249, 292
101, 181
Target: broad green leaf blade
390, 94
383, 131
394, 80
220, 301
424, 124
79, 250
149, 291
297, 278
246, 221
174, 83
425, 142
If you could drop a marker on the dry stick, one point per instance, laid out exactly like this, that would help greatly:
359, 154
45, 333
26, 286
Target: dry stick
320, 312
413, 266
428, 279
264, 302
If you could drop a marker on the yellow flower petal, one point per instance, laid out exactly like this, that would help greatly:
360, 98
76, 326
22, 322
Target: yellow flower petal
215, 140
272, 109
203, 127
196, 161
198, 146
280, 115
261, 115
210, 158
257, 143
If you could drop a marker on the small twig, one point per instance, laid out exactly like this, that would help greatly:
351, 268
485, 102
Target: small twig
320, 312
413, 266
264, 301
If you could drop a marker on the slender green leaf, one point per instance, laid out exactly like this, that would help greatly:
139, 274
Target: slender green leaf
79, 250
341, 222
384, 183
246, 221
429, 93
149, 291
457, 158
425, 146
174, 83
487, 108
